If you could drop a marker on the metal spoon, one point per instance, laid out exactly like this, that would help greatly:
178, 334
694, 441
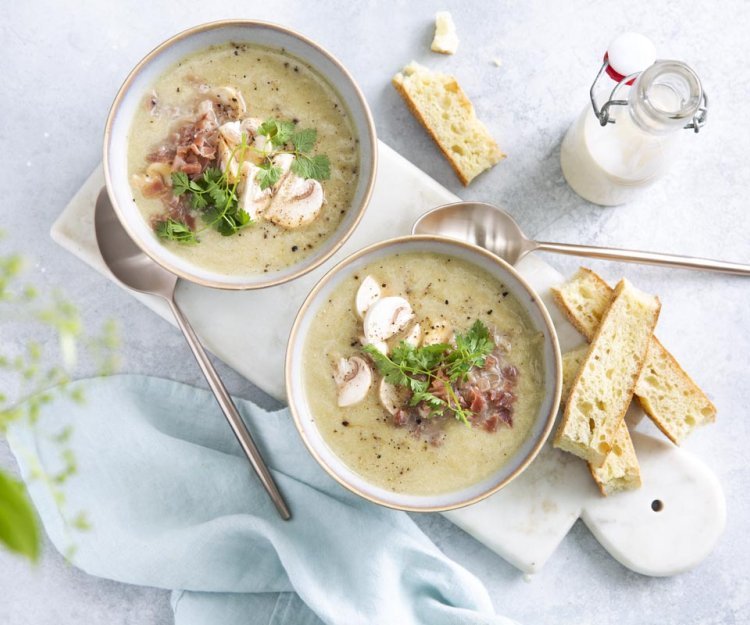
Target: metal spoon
137, 271
494, 229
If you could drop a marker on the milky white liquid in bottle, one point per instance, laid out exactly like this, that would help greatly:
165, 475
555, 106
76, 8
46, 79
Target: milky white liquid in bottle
611, 164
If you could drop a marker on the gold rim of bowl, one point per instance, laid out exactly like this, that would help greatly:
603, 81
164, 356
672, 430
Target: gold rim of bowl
304, 267
550, 417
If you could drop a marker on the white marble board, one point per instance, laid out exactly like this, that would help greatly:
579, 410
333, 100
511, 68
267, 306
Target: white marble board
526, 521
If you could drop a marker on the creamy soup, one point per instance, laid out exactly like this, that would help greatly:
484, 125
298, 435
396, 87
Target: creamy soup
411, 449
181, 126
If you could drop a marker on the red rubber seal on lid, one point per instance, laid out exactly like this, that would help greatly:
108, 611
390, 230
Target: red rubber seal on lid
616, 76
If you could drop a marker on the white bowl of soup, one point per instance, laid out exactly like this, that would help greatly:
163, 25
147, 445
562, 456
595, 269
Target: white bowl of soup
423, 373
239, 154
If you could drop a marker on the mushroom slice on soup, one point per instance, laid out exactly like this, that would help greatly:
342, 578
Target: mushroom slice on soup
387, 317
353, 378
367, 294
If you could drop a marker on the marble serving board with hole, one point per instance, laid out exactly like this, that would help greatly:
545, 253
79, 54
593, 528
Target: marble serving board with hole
666, 527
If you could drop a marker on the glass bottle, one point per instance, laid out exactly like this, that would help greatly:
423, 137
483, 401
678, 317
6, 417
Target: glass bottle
611, 154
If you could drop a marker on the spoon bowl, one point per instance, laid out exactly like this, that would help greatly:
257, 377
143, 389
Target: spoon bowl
124, 258
493, 229
481, 224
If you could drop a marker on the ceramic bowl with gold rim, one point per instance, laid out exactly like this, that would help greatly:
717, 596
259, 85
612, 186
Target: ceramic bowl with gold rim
423, 373
177, 111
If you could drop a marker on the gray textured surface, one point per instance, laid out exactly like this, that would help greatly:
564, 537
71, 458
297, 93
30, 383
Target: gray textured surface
63, 62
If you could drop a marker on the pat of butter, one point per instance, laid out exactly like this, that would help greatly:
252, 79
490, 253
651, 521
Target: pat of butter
445, 40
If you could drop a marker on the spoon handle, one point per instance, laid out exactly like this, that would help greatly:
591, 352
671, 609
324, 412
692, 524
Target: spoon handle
648, 258
230, 412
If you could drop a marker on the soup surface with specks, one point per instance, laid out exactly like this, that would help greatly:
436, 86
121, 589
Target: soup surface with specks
274, 85
364, 435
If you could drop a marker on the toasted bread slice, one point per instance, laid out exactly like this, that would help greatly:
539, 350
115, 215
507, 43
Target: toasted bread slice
671, 399
442, 107
571, 362
603, 389
584, 299
620, 470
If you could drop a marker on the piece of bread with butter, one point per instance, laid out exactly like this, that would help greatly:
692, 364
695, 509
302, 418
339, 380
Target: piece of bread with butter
620, 471
442, 107
603, 388
667, 394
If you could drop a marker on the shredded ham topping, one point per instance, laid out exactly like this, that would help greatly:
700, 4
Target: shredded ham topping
192, 147
488, 392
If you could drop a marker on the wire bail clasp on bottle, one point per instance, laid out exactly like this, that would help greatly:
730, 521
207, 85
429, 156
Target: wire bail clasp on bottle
603, 113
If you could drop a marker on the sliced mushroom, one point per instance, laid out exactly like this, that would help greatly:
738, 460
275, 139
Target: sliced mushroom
381, 346
414, 336
252, 198
231, 132
391, 396
250, 125
231, 99
284, 163
353, 378
367, 294
206, 113
296, 201
438, 331
260, 144
230, 136
386, 317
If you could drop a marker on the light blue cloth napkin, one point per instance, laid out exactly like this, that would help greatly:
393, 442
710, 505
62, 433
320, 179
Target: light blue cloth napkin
173, 504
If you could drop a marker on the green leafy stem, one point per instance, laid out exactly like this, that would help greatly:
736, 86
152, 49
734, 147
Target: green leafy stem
420, 369
39, 373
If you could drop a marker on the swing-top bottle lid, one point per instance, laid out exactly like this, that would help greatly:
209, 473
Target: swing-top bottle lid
629, 53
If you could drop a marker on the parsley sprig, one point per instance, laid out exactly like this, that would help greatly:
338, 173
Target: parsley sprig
285, 138
421, 368
175, 230
215, 195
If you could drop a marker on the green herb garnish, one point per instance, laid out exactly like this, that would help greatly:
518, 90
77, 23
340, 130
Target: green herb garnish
174, 230
268, 175
423, 368
279, 132
317, 167
215, 195
286, 139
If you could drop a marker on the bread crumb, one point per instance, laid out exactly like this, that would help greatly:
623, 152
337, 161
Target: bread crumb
497, 61
445, 40
442, 107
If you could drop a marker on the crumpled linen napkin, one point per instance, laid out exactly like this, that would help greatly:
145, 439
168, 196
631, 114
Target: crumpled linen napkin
174, 504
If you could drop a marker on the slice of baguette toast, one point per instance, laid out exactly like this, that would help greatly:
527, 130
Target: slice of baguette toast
442, 107
603, 388
620, 470
571, 362
667, 394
